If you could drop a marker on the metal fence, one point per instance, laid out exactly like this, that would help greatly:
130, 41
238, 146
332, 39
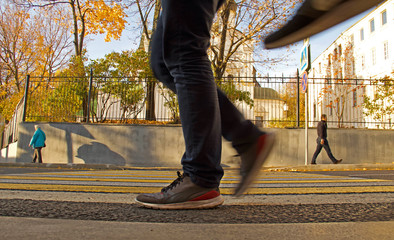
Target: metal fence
267, 101
10, 131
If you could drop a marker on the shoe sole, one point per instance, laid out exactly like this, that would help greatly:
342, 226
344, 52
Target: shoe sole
201, 204
337, 15
260, 159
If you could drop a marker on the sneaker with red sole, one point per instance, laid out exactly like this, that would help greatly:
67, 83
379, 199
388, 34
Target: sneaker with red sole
315, 16
182, 193
252, 160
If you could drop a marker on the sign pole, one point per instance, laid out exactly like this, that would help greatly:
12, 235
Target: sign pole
306, 127
305, 65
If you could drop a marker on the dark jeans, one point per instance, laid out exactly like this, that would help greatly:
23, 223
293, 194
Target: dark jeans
326, 147
179, 60
37, 154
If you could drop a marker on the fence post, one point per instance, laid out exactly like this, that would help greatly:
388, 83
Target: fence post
298, 98
25, 98
89, 95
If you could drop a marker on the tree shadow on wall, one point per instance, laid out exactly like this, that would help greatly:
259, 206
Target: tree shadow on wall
98, 153
70, 129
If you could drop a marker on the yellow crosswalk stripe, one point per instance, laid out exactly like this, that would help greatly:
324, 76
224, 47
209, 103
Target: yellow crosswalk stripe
145, 181
169, 180
259, 191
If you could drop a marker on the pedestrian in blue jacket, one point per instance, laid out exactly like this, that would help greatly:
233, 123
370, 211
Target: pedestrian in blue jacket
37, 142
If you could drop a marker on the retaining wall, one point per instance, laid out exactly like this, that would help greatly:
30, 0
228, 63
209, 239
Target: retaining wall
162, 146
8, 154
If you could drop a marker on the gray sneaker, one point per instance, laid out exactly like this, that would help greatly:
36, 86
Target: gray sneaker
252, 161
182, 193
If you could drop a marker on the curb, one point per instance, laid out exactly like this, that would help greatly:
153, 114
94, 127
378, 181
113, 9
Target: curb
332, 167
82, 166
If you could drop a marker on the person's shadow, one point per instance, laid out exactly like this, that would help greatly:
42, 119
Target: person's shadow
98, 153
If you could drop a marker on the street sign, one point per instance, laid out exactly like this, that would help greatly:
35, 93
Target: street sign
304, 81
305, 60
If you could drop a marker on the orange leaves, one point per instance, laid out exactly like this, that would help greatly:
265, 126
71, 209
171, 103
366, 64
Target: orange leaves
105, 18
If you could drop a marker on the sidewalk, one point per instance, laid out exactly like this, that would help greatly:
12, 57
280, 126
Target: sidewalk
304, 168
38, 228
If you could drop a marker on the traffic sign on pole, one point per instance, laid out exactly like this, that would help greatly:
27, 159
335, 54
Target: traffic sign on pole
304, 81
305, 60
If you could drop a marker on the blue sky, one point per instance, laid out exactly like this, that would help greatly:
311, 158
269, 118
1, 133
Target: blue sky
97, 47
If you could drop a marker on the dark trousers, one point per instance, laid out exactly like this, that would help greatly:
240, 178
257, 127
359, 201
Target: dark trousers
179, 60
326, 147
37, 154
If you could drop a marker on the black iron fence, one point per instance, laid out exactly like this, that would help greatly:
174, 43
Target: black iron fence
267, 101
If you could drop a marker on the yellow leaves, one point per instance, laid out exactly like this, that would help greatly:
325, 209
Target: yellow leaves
105, 18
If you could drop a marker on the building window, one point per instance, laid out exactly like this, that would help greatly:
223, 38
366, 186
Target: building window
353, 67
314, 111
384, 17
362, 34
386, 50
372, 25
354, 98
335, 56
373, 56
328, 69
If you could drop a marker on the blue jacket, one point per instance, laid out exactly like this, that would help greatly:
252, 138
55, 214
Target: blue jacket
38, 139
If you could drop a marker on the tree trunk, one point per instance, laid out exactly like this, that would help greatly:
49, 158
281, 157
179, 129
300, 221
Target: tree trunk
220, 66
151, 83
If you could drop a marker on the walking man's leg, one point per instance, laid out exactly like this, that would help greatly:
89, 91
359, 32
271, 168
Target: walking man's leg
35, 155
329, 153
39, 154
169, 68
180, 61
317, 151
315, 16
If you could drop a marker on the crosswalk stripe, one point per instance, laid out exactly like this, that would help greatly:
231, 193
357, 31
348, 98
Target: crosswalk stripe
254, 191
139, 181
170, 180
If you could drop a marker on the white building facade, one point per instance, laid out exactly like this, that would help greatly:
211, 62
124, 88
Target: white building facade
363, 52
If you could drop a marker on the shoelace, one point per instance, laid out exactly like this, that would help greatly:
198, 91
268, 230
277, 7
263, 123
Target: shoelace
174, 183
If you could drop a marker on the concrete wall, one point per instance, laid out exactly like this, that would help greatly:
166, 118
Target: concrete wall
146, 145
8, 154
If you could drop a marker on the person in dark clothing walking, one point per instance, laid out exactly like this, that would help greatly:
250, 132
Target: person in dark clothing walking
180, 61
322, 141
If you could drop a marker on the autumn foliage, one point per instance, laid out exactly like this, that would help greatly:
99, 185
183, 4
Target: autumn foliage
47, 40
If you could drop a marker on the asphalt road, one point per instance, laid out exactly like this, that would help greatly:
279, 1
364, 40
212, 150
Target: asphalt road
233, 214
262, 208
78, 214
